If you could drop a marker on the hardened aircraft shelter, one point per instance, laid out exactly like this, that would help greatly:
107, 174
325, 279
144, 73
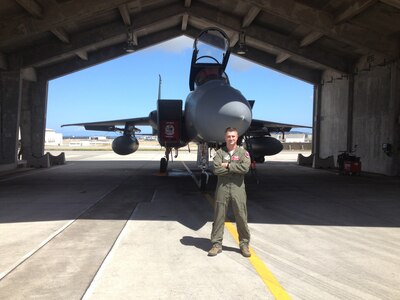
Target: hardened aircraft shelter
347, 49
104, 226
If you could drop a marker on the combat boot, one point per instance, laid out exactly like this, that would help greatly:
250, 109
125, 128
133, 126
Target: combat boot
245, 250
216, 249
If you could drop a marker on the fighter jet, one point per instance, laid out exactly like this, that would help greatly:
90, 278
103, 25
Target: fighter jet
211, 106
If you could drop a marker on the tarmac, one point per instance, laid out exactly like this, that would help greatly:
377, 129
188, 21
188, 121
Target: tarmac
104, 226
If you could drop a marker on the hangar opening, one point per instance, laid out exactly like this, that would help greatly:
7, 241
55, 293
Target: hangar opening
349, 52
127, 87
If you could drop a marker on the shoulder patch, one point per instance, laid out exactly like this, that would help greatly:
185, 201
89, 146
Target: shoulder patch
247, 154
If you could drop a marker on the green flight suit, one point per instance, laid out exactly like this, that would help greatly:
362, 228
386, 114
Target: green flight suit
231, 188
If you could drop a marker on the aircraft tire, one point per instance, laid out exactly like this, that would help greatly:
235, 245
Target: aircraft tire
260, 159
163, 165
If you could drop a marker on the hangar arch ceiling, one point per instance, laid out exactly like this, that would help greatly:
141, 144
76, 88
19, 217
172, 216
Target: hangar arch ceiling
300, 38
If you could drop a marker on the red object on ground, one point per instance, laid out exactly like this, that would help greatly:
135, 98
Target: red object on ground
352, 167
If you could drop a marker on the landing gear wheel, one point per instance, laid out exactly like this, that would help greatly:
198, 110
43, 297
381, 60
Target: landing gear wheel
260, 159
203, 181
163, 165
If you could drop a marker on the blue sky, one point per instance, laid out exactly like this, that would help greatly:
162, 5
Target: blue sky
127, 87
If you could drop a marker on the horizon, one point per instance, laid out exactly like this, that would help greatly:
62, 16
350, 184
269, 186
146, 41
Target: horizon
149, 134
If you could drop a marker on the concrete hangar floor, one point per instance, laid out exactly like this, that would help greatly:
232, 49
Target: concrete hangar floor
104, 228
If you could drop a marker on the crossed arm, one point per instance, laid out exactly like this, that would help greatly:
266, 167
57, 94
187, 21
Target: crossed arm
223, 168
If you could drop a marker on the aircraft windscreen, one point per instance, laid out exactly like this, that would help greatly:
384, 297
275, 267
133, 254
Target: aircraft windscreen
211, 46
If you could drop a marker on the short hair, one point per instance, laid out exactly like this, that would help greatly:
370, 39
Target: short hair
229, 129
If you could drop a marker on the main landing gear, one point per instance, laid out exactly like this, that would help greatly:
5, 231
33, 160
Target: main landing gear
163, 165
253, 159
202, 162
164, 160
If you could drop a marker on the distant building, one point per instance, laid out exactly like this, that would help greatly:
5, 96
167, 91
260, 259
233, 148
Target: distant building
52, 138
150, 138
298, 138
278, 136
98, 138
293, 137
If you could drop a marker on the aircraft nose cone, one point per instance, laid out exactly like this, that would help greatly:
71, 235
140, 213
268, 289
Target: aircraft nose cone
212, 108
236, 111
236, 114
226, 113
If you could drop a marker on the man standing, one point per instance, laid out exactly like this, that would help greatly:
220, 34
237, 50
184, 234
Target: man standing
231, 163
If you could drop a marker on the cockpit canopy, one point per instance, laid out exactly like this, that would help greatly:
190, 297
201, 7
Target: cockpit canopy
210, 57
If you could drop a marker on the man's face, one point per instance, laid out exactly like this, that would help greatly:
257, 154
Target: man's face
231, 138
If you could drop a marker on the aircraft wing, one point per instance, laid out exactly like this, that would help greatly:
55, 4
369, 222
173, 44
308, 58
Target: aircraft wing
262, 127
113, 124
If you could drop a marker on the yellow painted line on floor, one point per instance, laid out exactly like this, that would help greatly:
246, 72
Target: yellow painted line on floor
267, 277
160, 174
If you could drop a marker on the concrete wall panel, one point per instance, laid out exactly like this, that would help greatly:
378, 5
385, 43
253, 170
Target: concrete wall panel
372, 118
33, 118
10, 102
334, 110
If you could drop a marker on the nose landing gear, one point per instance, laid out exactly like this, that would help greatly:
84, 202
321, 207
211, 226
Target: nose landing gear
203, 180
203, 164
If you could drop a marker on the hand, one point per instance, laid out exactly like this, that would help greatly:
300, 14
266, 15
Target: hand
225, 165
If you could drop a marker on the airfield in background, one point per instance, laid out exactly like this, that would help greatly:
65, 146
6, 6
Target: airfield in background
296, 142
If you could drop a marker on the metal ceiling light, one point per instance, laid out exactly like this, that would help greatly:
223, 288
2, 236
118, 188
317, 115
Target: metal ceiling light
242, 44
130, 47
130, 44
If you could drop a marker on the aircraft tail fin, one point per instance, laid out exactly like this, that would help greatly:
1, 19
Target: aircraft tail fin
159, 86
